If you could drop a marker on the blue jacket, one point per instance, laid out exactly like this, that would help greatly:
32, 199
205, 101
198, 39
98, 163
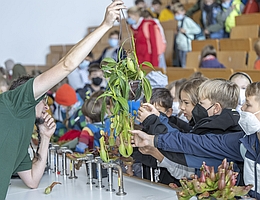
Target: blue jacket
233, 146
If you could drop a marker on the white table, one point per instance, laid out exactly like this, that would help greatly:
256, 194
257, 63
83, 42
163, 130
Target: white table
74, 189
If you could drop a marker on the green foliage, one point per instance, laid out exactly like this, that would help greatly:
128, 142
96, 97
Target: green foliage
126, 79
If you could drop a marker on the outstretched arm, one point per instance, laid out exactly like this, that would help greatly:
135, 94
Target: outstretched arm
73, 58
210, 145
32, 177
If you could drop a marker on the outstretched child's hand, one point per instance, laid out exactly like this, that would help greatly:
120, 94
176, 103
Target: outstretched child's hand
146, 110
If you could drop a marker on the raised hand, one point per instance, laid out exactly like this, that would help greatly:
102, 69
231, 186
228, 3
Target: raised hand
113, 12
146, 110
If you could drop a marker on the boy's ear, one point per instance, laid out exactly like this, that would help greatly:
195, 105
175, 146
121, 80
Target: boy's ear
169, 112
218, 109
88, 119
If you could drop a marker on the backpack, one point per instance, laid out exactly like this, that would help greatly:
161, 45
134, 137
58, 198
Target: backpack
160, 38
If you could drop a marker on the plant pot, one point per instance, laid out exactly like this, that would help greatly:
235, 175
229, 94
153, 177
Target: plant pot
135, 90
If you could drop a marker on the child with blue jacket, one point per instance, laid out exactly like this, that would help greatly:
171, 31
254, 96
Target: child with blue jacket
240, 146
90, 135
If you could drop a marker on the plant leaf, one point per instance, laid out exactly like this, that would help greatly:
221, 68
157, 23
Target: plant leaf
148, 64
123, 103
109, 60
147, 89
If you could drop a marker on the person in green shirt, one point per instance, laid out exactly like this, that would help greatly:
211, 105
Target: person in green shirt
20, 106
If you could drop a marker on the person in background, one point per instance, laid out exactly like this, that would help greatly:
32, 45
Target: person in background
208, 58
66, 103
79, 77
18, 71
113, 49
231, 9
147, 15
96, 77
90, 135
251, 6
167, 13
187, 28
24, 104
212, 21
242, 79
155, 8
9, 65
257, 50
140, 4
144, 32
174, 88
3, 84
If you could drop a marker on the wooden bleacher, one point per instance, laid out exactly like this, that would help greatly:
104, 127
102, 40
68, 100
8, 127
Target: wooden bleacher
175, 73
169, 28
233, 59
235, 44
169, 47
216, 73
244, 31
251, 59
198, 45
248, 19
193, 59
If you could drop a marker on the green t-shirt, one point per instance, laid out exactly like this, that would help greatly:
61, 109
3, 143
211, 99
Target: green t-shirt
17, 117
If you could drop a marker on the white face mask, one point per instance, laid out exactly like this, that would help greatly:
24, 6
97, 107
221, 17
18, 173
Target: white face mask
84, 64
249, 122
175, 108
242, 96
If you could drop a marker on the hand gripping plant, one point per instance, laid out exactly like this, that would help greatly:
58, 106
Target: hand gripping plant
211, 185
126, 81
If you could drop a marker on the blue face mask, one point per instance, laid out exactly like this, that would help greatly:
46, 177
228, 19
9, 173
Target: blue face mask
226, 4
113, 42
130, 21
178, 17
84, 64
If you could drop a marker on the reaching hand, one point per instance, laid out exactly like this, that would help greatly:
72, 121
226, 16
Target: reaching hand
146, 110
113, 12
141, 139
48, 127
147, 150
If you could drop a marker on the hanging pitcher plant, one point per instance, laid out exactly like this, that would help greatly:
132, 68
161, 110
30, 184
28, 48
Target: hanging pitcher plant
126, 81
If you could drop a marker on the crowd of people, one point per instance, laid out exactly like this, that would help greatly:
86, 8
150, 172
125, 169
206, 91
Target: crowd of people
185, 123
216, 21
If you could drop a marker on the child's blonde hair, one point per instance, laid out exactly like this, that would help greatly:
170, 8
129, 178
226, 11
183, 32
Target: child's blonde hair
178, 7
257, 47
135, 11
221, 91
190, 87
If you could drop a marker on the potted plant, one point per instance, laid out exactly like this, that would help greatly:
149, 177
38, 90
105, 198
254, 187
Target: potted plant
126, 81
211, 185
